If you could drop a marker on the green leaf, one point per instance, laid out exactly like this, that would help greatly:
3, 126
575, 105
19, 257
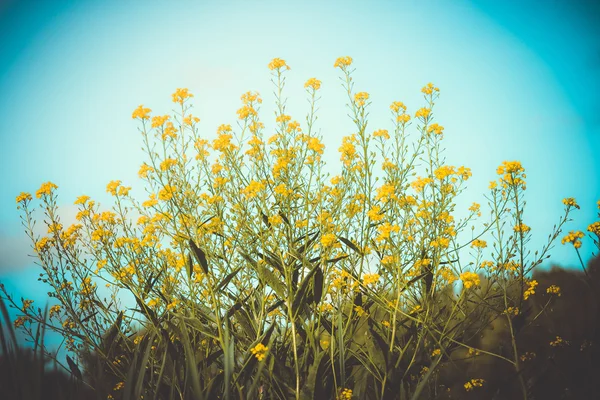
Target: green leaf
190, 265
269, 277
111, 338
350, 244
334, 260
74, 368
191, 370
228, 279
318, 286
200, 256
301, 293
308, 392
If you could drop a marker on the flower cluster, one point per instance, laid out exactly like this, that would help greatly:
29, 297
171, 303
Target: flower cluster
553, 289
345, 394
530, 290
513, 174
573, 237
259, 351
473, 383
470, 279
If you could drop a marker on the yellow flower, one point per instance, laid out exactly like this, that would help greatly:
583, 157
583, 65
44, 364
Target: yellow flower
278, 63
159, 120
259, 351
436, 352
112, 187
141, 112
169, 132
223, 142
521, 228
527, 356
397, 106
166, 193
328, 240
375, 214
386, 192
345, 394
441, 242
435, 128
181, 95
313, 83
55, 309
315, 145
342, 62
347, 149
45, 189
167, 164
530, 290
23, 197
558, 342
251, 97
360, 98
422, 113
246, 111
144, 170
253, 189
359, 311
403, 119
429, 89
443, 172
82, 199
151, 202
470, 279
553, 289
124, 190
594, 228
480, 244
370, 279
473, 383
573, 237
381, 133
511, 311
513, 173
385, 230
570, 202
419, 184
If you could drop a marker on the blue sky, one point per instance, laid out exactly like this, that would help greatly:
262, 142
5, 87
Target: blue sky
519, 81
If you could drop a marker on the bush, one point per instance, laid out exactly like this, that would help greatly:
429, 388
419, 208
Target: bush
256, 274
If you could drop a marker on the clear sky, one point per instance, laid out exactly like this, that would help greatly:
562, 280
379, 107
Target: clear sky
519, 80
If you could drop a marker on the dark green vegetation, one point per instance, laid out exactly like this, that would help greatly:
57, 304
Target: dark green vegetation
567, 369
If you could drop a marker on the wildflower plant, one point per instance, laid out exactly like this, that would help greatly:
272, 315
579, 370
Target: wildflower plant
254, 272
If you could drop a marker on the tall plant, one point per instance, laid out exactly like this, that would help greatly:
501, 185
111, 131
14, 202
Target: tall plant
257, 274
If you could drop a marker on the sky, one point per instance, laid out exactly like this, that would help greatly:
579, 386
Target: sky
519, 80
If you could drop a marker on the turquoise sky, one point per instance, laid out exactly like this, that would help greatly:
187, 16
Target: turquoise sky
519, 80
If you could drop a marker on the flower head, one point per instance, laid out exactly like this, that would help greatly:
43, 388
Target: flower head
112, 187
342, 62
277, 63
570, 202
360, 98
573, 237
181, 95
259, 351
313, 83
141, 112
23, 197
470, 279
45, 189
